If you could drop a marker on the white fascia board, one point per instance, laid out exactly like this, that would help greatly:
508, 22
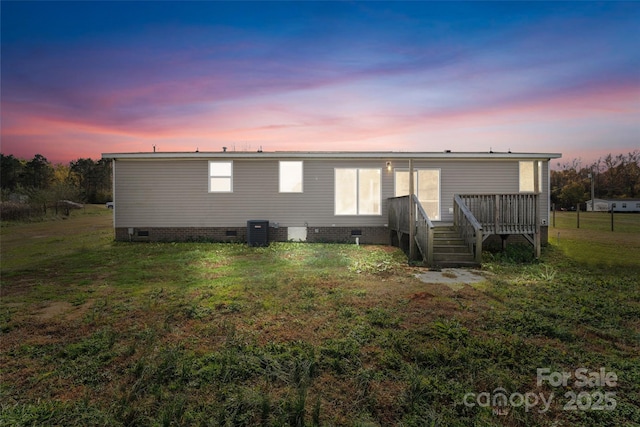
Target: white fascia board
347, 155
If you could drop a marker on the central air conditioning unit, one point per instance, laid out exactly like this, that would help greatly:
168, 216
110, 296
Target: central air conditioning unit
258, 232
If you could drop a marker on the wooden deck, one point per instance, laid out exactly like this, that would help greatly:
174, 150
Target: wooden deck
507, 214
476, 217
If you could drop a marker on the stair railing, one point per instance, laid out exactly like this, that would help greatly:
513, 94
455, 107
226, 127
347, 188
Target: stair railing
424, 232
468, 227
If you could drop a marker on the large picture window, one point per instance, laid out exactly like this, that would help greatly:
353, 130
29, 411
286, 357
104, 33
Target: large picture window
426, 187
220, 177
357, 192
291, 177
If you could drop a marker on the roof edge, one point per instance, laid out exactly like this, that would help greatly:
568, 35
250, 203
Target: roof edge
386, 155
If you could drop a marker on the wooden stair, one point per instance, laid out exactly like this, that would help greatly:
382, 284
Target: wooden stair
449, 249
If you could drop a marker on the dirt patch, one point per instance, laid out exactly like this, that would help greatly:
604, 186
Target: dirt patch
60, 308
421, 296
455, 278
16, 287
52, 310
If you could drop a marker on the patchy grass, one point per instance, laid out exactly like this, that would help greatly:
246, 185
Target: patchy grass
97, 332
29, 245
594, 243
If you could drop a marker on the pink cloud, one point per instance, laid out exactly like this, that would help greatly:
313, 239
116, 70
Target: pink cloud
339, 116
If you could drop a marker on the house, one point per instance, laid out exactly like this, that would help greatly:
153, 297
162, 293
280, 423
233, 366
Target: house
601, 205
618, 205
332, 196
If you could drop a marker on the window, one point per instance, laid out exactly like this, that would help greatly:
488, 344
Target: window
291, 177
427, 188
624, 206
220, 177
637, 205
527, 176
357, 192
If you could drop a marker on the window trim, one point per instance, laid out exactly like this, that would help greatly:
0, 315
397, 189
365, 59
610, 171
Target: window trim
533, 190
230, 176
357, 187
416, 171
280, 176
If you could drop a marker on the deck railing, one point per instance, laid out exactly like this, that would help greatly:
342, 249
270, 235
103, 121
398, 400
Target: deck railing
422, 228
399, 214
469, 228
504, 213
476, 216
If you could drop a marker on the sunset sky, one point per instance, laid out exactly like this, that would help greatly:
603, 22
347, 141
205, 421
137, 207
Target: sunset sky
84, 78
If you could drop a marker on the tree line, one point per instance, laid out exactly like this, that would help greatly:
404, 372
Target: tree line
42, 185
614, 177
39, 183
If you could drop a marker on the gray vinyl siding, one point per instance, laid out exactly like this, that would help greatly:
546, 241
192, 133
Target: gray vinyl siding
174, 192
481, 177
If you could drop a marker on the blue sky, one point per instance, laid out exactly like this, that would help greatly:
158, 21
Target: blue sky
83, 78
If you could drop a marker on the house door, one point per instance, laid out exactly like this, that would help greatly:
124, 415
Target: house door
427, 188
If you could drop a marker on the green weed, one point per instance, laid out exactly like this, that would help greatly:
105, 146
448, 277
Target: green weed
54, 413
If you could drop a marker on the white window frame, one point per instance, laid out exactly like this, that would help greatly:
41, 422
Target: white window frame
357, 190
228, 176
533, 183
280, 181
416, 186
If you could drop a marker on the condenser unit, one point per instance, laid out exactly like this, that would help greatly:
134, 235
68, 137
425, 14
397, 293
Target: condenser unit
258, 233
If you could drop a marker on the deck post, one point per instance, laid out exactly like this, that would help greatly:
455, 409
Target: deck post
536, 206
496, 214
478, 254
536, 216
412, 214
430, 247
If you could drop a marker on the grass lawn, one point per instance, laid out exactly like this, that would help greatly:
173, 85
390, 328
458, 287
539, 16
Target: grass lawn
96, 332
594, 243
